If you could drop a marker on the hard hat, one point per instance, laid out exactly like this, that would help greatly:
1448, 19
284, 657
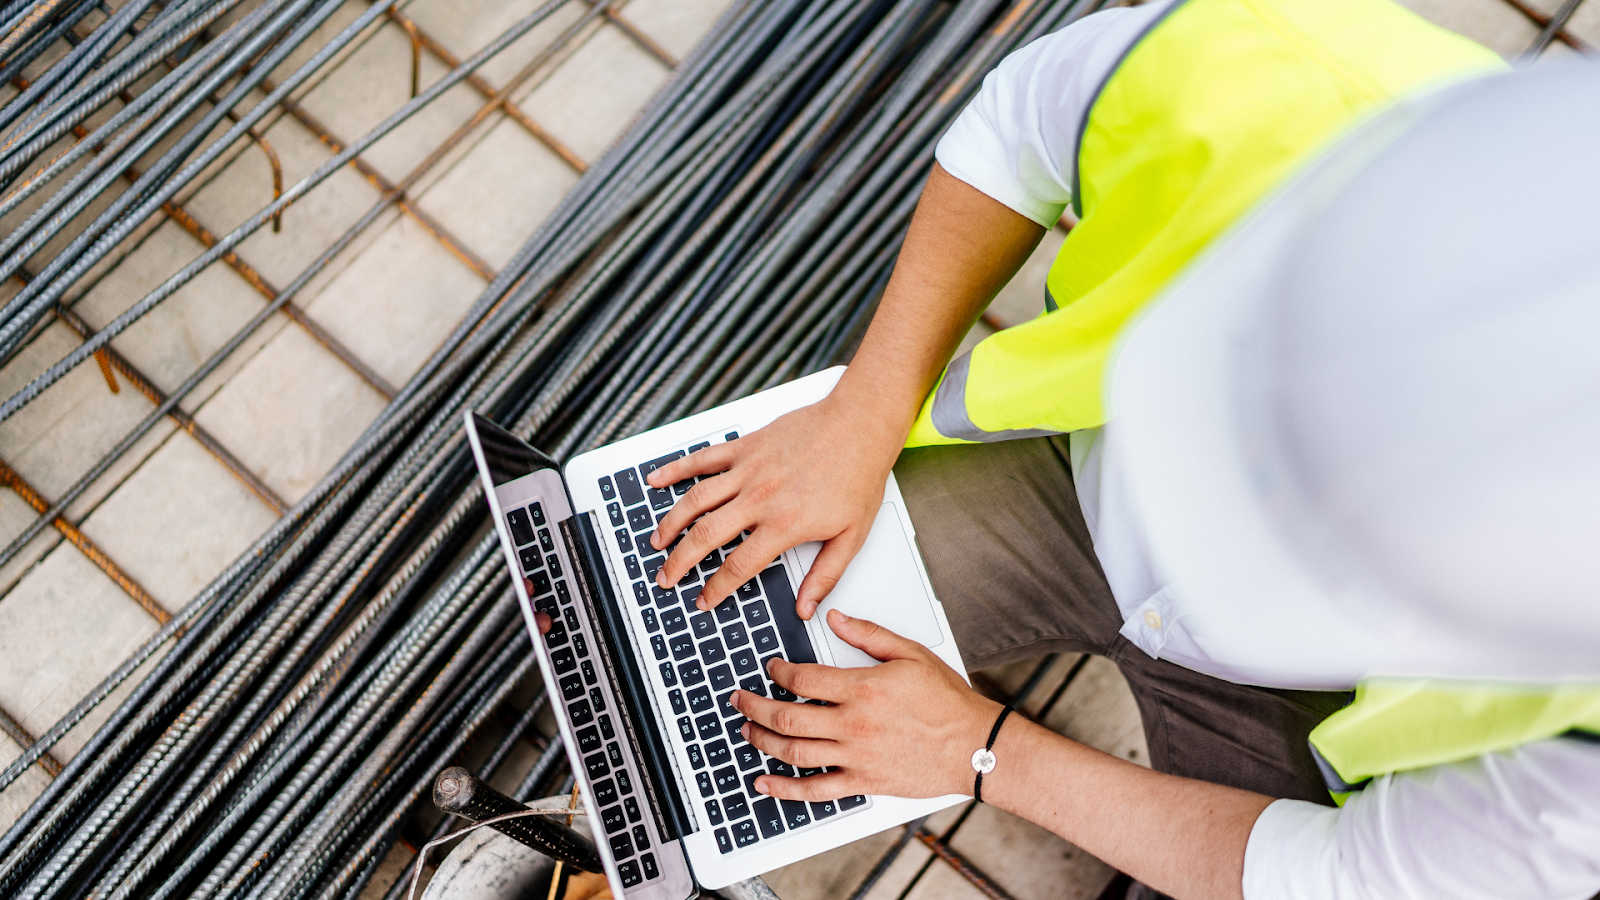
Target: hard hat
1380, 393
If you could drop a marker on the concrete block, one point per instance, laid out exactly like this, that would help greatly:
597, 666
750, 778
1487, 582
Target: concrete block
590, 100
466, 26
676, 25
291, 412
1493, 23
496, 195
73, 741
396, 302
15, 517
62, 630
20, 794
178, 521
941, 882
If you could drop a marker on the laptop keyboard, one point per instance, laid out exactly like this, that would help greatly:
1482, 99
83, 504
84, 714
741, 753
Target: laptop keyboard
703, 657
612, 777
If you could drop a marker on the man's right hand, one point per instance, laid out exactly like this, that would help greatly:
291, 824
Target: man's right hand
815, 474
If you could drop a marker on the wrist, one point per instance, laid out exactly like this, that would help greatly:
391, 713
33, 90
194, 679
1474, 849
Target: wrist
880, 410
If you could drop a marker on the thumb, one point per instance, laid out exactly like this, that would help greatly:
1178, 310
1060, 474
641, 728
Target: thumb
826, 571
872, 639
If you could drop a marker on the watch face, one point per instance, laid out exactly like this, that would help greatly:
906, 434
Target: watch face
983, 761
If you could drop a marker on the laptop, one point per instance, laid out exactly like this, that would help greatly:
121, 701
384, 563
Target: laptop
639, 679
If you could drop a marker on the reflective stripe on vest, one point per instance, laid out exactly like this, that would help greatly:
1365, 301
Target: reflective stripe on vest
1212, 108
1396, 726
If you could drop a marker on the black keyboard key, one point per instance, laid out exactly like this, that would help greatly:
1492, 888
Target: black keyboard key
750, 784
557, 635
541, 583
691, 594
660, 499
718, 754
614, 753
571, 615
521, 528
545, 543
685, 728
700, 700
749, 591
823, 810
747, 757
744, 662
608, 491
639, 520
580, 644
724, 842
708, 726
795, 814
735, 806
606, 730
727, 611
756, 614
589, 739
724, 705
700, 446
572, 687
779, 767
848, 803
652, 566
731, 436
598, 700
711, 651
647, 862
766, 640
679, 488
721, 677
641, 838
554, 564
588, 671
631, 563
697, 757
711, 562
734, 729
624, 542
641, 594
744, 833
614, 513
642, 542
548, 606
675, 697
612, 818
755, 684
665, 597
579, 711
531, 560
621, 847
768, 817
726, 779
807, 773
673, 621
702, 780
631, 807
796, 642
682, 645
628, 487
596, 766
563, 593
704, 624
714, 812
646, 468
537, 512
691, 672
624, 783
563, 660
651, 624
605, 792
669, 675
630, 874
735, 635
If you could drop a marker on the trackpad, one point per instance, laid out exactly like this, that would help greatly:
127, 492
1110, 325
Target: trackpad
882, 584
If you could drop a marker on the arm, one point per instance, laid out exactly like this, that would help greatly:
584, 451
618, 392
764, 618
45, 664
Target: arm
818, 473
1183, 837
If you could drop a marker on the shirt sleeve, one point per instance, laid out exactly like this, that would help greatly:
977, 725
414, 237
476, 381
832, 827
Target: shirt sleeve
1524, 823
1017, 140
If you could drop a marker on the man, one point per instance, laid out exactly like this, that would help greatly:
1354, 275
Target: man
1234, 650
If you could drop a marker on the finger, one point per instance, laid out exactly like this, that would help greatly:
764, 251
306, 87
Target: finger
711, 460
703, 498
792, 720
814, 681
744, 563
543, 621
827, 570
711, 531
816, 788
873, 639
806, 753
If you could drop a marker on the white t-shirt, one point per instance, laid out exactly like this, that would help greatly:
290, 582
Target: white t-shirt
1520, 824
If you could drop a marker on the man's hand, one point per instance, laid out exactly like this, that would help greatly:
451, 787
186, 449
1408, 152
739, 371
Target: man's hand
906, 728
771, 485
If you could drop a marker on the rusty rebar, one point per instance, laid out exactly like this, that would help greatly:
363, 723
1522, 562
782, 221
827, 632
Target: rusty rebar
14, 730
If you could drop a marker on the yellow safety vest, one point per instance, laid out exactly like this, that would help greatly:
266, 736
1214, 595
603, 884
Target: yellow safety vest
1214, 106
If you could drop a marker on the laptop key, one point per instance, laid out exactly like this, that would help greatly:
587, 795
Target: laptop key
607, 731
554, 564
724, 842
672, 621
639, 519
557, 635
755, 684
685, 728
721, 676
735, 806
624, 783
848, 803
614, 513
572, 687
669, 675
735, 635
768, 817
628, 487
697, 757
823, 810
622, 847
702, 780
608, 491
537, 512
630, 874
717, 753
744, 833
708, 726
631, 563
726, 779
704, 624
563, 660
660, 499
724, 705
624, 542
596, 766
750, 784
664, 597
795, 814
682, 645
647, 862
580, 712
780, 768
714, 811
521, 528
733, 728
727, 611
744, 662
614, 753
587, 668
613, 820
605, 792
530, 559
711, 562
765, 640
747, 757
749, 590
700, 699
652, 566
571, 615
541, 583
641, 838
756, 614
598, 701
631, 807
691, 672
589, 739
641, 594
711, 651
675, 697
796, 642
651, 624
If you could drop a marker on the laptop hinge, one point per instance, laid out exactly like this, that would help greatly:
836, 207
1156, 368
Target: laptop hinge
639, 721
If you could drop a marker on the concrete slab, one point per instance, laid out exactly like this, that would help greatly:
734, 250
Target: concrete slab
62, 630
178, 521
396, 302
15, 517
940, 882
1027, 861
496, 195
591, 98
291, 412
74, 741
1492, 23
465, 26
676, 25
16, 798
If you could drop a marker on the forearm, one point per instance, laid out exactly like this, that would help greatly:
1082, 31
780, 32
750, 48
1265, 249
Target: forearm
961, 249
1178, 835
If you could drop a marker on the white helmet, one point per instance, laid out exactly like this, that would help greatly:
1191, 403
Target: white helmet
1382, 390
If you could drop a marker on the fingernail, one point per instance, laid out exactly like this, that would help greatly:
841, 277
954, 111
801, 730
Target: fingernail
744, 730
733, 700
761, 786
702, 605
